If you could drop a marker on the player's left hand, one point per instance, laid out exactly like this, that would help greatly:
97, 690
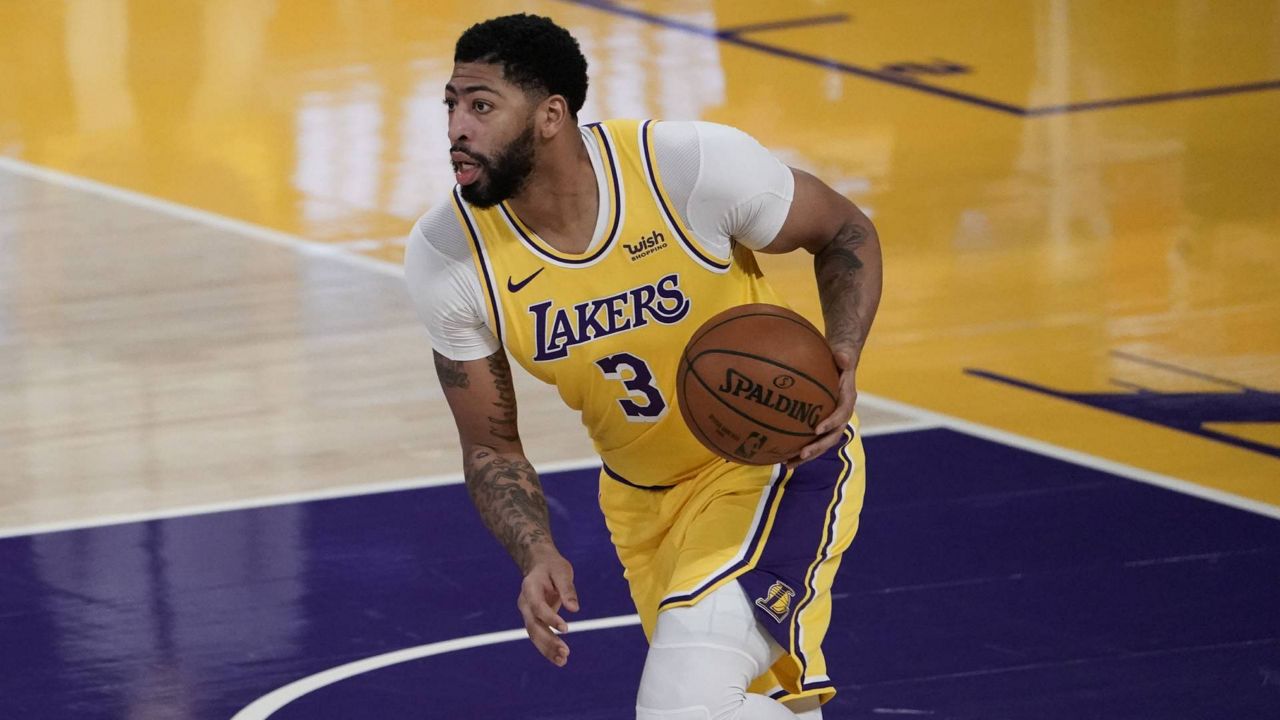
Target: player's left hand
831, 429
547, 587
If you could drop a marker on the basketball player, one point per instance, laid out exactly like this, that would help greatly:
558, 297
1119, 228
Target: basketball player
590, 255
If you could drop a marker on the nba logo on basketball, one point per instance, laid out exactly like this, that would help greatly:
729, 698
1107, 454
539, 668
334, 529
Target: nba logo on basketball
751, 445
777, 602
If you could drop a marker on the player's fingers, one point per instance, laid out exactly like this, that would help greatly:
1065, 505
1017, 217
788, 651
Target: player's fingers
539, 619
817, 447
542, 612
562, 579
839, 417
548, 643
847, 396
535, 603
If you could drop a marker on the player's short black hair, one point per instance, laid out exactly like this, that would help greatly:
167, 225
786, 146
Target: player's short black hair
534, 52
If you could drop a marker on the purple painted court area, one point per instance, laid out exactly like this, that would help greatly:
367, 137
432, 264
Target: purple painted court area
987, 582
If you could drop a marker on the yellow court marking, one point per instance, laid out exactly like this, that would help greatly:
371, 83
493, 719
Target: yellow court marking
1033, 247
1264, 433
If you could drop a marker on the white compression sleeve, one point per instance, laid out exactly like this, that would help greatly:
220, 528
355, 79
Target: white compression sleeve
726, 185
703, 657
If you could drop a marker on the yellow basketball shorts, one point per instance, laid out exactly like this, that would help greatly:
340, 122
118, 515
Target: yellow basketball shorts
779, 532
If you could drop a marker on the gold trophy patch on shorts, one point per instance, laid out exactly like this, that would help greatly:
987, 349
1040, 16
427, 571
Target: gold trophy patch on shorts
777, 602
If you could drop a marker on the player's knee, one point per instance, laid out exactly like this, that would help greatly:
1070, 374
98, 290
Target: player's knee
702, 659
692, 678
702, 681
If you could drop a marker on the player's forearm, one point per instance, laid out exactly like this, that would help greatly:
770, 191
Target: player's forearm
502, 484
848, 271
504, 488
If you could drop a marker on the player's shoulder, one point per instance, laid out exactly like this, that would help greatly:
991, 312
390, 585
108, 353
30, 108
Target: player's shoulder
695, 134
439, 230
440, 220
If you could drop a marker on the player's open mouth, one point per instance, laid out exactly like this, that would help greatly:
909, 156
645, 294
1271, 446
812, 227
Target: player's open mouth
465, 170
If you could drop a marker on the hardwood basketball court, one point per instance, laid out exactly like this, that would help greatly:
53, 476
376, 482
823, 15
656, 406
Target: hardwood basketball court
202, 213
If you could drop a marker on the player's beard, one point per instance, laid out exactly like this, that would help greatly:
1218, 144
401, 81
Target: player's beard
503, 175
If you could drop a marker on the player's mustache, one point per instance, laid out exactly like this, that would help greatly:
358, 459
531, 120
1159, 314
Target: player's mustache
477, 158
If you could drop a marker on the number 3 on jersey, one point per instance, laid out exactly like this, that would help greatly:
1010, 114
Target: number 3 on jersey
639, 386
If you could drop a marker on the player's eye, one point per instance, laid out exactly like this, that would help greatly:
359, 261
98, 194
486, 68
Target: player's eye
450, 103
481, 106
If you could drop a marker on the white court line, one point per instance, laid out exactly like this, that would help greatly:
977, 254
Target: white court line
896, 427
921, 418
342, 491
268, 704
200, 217
1078, 458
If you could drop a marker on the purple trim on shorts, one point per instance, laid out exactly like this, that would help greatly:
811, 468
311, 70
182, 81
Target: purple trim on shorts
615, 476
815, 685
796, 543
757, 534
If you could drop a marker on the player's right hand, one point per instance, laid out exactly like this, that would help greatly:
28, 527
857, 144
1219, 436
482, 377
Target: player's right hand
547, 587
831, 429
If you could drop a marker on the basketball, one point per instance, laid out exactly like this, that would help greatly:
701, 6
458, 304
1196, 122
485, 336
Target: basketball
754, 382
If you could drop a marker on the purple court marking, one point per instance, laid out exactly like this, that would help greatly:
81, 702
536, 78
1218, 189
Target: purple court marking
890, 78
986, 581
783, 24
733, 36
1180, 370
1155, 98
1189, 412
803, 57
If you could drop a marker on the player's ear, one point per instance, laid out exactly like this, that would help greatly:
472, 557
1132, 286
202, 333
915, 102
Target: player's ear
553, 115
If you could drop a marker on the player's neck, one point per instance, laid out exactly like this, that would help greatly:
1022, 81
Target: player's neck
560, 201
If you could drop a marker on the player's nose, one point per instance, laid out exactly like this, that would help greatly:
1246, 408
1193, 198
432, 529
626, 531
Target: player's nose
459, 128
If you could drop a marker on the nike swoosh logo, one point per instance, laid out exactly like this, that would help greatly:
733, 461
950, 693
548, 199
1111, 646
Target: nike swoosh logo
516, 287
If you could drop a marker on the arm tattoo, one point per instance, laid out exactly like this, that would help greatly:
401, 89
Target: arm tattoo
509, 497
848, 301
450, 372
503, 426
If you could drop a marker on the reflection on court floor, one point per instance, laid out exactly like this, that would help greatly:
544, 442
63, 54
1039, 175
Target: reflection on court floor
987, 581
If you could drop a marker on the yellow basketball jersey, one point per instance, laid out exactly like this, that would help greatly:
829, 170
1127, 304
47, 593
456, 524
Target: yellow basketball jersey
607, 327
